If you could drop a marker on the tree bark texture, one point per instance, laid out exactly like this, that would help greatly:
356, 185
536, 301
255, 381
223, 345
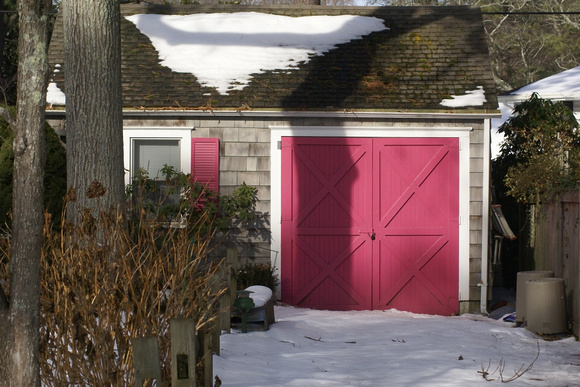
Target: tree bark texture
20, 317
94, 123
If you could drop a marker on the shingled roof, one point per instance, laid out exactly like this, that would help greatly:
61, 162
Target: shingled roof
426, 55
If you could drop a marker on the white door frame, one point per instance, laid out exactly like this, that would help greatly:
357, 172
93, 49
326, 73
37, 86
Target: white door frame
277, 132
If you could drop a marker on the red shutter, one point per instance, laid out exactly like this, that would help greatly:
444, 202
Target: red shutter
205, 162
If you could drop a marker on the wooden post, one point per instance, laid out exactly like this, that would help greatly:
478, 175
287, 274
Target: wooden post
215, 334
183, 352
233, 264
146, 359
206, 353
219, 283
225, 318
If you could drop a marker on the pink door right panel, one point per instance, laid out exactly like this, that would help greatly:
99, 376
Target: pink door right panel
416, 221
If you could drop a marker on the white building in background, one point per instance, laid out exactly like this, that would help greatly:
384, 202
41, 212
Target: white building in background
564, 86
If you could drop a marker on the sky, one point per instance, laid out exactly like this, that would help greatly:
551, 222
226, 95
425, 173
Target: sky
313, 348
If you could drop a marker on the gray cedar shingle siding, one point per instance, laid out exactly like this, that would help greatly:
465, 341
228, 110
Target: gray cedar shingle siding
426, 55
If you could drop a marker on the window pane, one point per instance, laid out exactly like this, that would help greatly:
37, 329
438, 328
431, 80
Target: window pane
151, 155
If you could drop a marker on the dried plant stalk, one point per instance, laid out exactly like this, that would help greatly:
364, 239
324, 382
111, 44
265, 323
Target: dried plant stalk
117, 276
501, 368
113, 281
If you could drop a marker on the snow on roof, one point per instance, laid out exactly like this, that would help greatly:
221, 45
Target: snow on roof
55, 96
496, 137
470, 98
564, 85
223, 50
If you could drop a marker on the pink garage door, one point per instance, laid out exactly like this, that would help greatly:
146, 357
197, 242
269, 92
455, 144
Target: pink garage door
370, 223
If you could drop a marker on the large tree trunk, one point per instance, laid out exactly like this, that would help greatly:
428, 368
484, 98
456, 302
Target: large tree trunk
92, 48
20, 310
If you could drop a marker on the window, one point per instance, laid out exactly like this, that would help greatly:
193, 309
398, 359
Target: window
152, 155
151, 148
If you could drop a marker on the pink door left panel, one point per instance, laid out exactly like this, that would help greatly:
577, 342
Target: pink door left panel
327, 258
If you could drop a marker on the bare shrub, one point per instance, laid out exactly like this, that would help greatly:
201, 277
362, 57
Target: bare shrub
99, 293
111, 279
118, 276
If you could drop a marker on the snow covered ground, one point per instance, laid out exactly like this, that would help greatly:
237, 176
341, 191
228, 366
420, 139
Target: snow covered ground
391, 348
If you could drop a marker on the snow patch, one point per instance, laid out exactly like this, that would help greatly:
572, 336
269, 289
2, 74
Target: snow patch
561, 85
497, 138
54, 95
315, 348
470, 98
223, 50
260, 295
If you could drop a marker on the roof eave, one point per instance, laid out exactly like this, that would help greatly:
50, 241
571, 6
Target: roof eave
353, 114
525, 96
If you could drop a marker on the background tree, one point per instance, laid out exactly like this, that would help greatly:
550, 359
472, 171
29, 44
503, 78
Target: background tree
528, 39
8, 57
20, 308
92, 52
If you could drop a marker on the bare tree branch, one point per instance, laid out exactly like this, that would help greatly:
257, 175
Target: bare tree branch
5, 113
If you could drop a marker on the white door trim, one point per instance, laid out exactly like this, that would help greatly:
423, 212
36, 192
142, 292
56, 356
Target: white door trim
277, 132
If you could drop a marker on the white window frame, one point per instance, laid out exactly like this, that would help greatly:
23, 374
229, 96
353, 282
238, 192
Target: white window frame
155, 133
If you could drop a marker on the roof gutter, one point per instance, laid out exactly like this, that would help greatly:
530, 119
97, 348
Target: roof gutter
157, 114
519, 97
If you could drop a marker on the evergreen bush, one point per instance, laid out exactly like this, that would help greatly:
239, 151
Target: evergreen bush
54, 175
541, 151
251, 274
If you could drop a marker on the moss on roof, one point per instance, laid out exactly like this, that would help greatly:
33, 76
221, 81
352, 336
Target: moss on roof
426, 55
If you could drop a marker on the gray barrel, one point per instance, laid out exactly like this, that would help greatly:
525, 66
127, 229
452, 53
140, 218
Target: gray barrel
524, 276
546, 306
